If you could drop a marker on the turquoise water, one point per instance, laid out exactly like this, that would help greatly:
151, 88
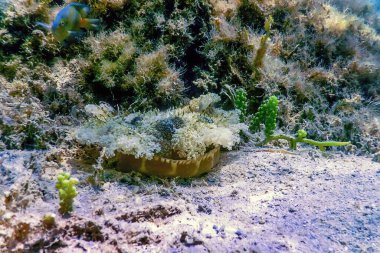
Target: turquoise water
3, 3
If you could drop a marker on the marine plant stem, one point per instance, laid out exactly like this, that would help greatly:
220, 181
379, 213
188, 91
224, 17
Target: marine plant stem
294, 140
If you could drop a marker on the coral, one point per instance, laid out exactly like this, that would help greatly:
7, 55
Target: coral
67, 192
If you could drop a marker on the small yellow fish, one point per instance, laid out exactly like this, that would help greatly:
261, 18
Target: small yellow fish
70, 21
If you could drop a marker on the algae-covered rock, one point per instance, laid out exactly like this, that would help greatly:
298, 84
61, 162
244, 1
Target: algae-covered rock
179, 133
159, 54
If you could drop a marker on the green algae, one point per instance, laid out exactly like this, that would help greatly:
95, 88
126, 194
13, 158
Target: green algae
159, 54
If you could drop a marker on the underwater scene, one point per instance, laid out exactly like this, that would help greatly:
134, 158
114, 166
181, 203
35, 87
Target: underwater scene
190, 126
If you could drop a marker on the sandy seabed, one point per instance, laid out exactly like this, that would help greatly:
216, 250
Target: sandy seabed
256, 200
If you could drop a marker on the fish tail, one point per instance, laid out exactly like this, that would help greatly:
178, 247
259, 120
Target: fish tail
88, 23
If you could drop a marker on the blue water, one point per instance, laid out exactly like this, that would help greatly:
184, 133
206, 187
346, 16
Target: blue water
3, 4
376, 3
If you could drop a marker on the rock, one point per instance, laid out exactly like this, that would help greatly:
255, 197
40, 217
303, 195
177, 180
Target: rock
240, 234
188, 240
376, 157
204, 209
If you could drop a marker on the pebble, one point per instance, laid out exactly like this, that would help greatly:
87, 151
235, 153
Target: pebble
240, 234
376, 157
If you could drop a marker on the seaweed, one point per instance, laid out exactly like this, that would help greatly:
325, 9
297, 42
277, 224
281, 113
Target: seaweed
67, 192
267, 115
160, 54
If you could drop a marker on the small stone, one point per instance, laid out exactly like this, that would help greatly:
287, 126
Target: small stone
8, 216
204, 209
164, 193
376, 157
2, 146
99, 211
138, 200
211, 180
234, 193
240, 234
106, 186
189, 241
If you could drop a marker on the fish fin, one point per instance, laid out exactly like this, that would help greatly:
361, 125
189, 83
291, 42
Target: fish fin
89, 23
83, 9
76, 34
94, 21
95, 27
44, 25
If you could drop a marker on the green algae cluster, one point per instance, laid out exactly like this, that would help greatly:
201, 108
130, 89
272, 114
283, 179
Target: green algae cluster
66, 192
267, 115
317, 58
